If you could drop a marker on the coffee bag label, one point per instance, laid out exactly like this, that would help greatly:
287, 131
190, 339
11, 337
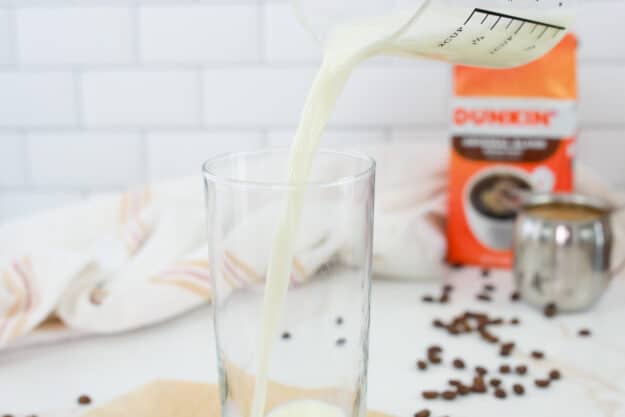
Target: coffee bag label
512, 133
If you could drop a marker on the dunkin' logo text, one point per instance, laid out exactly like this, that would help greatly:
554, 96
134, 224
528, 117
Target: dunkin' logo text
503, 117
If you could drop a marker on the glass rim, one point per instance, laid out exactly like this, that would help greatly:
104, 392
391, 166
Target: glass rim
210, 175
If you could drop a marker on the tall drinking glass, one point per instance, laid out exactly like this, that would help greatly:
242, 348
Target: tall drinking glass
318, 353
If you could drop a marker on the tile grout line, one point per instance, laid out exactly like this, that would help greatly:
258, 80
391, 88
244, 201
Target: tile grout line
134, 10
12, 17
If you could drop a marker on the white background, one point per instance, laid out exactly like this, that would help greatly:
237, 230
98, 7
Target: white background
102, 94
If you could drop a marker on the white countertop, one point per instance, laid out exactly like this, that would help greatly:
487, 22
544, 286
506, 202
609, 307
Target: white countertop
47, 378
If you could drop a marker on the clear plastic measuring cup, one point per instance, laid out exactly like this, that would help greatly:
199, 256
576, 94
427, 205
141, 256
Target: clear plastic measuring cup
493, 33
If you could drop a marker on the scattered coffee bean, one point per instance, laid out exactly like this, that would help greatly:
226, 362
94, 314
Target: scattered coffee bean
484, 297
521, 369
454, 382
341, 341
448, 288
515, 296
500, 393
458, 364
479, 386
427, 299
555, 375
481, 370
550, 310
496, 321
504, 369
286, 335
444, 299
84, 400
430, 395
542, 383
584, 333
495, 382
518, 389
536, 354
506, 349
422, 413
485, 273
422, 365
463, 390
449, 395
438, 323
515, 321
339, 321
435, 360
489, 337
435, 349
489, 287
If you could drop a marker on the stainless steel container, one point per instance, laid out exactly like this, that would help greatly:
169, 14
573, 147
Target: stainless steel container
566, 261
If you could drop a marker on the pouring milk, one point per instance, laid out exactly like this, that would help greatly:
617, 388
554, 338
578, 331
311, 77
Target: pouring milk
504, 37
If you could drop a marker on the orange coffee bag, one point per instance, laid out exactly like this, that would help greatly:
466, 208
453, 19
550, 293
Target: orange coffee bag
513, 132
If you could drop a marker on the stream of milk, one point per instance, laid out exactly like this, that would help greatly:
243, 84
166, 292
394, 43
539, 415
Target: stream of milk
430, 31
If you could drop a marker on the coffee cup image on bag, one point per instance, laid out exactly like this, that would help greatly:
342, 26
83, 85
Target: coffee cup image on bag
491, 201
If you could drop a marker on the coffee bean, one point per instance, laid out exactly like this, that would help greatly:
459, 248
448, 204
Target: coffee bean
483, 297
463, 390
550, 310
448, 288
286, 335
504, 369
555, 375
434, 349
449, 395
422, 413
506, 349
438, 323
481, 370
542, 383
454, 382
521, 369
444, 299
341, 341
422, 365
496, 322
515, 296
500, 393
485, 273
427, 299
479, 386
339, 321
536, 354
584, 333
518, 389
430, 395
84, 400
489, 287
515, 321
487, 336
435, 360
458, 363
495, 382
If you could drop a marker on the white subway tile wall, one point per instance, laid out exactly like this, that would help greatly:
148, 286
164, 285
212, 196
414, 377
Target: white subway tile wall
99, 95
